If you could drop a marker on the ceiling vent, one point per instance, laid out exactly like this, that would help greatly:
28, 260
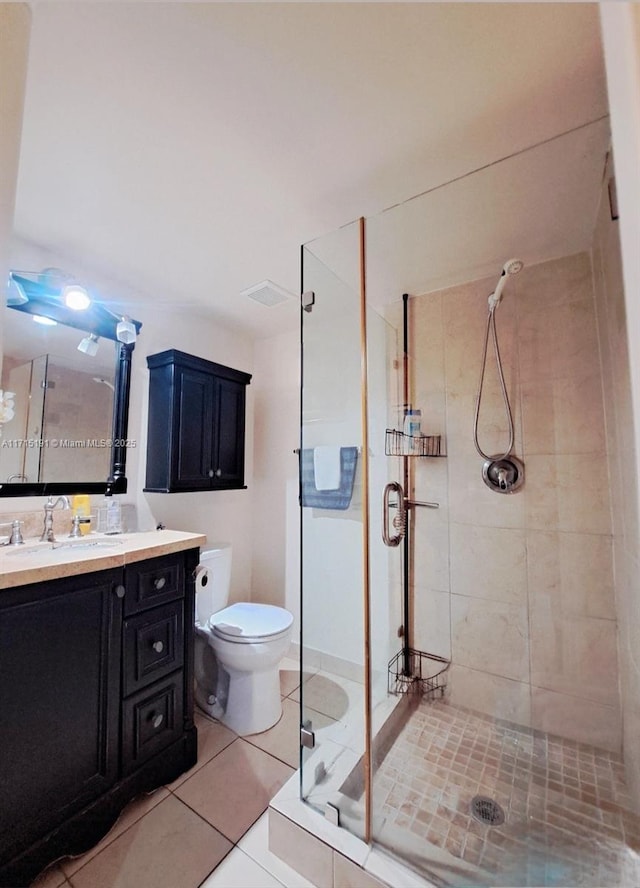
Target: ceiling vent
267, 293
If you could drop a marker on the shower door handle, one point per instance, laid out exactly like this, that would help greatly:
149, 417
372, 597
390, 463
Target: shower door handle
400, 520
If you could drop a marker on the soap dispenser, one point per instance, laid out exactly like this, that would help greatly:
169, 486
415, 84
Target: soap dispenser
110, 516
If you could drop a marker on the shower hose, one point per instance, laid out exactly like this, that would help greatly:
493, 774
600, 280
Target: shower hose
491, 328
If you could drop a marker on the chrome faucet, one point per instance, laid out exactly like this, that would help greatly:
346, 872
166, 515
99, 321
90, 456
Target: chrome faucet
49, 506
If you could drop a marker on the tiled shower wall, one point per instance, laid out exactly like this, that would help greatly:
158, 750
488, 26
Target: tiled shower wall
518, 589
612, 327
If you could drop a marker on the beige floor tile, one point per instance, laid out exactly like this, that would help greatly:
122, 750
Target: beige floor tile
283, 739
238, 870
171, 846
132, 813
213, 737
332, 695
235, 787
289, 681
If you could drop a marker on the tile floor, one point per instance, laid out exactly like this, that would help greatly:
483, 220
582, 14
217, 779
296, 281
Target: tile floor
208, 829
568, 814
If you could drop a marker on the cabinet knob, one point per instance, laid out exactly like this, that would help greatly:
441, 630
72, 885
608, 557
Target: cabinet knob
218, 473
119, 590
211, 473
159, 582
158, 646
157, 720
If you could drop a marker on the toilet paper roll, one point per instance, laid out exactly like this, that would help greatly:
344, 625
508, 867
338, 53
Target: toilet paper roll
201, 576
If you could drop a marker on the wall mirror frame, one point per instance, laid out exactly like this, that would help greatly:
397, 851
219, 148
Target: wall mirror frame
44, 300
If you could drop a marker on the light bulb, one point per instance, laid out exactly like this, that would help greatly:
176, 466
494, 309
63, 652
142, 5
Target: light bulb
126, 331
76, 297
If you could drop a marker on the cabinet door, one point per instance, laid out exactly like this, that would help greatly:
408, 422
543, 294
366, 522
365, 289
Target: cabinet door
59, 701
193, 430
229, 434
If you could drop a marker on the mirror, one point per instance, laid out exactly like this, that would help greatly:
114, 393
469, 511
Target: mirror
69, 428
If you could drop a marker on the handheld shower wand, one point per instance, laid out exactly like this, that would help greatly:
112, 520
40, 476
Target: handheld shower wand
511, 266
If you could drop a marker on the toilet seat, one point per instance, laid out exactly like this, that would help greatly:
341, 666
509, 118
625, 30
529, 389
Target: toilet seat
246, 623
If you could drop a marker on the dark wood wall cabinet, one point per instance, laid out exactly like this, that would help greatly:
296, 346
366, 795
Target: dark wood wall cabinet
96, 704
196, 424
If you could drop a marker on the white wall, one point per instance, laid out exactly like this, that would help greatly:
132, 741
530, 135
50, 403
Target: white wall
275, 528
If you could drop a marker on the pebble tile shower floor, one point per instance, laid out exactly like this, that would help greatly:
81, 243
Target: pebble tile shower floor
569, 819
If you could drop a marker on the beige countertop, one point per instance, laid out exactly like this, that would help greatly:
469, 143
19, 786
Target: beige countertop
35, 562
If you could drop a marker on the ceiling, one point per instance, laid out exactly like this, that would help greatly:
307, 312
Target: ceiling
183, 152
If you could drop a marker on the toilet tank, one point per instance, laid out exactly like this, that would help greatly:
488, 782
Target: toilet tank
214, 595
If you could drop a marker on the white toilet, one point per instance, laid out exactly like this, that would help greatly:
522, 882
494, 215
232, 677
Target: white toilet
237, 652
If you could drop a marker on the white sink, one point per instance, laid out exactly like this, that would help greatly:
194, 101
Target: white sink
63, 546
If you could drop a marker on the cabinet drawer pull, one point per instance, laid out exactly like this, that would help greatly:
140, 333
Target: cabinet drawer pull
159, 583
211, 473
157, 720
158, 646
120, 591
218, 473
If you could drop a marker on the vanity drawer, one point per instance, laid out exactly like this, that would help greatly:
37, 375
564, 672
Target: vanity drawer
152, 719
153, 582
153, 645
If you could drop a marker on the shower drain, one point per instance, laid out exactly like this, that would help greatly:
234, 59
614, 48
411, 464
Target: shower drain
486, 811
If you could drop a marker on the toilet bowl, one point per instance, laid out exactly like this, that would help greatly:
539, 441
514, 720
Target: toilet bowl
237, 652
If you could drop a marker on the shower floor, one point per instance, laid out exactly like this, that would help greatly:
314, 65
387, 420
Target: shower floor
568, 817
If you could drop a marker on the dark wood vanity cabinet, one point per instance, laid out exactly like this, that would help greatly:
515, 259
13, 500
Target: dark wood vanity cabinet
196, 426
96, 704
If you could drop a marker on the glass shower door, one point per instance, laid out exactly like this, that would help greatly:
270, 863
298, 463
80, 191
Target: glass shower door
333, 687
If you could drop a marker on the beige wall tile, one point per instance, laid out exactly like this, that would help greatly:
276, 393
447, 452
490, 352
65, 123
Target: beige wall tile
569, 493
472, 502
430, 545
347, 874
571, 573
489, 562
560, 341
432, 624
563, 415
576, 718
555, 282
302, 851
576, 656
490, 636
490, 694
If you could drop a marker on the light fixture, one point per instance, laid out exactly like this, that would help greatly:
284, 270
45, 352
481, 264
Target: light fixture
15, 293
89, 345
76, 297
46, 322
126, 331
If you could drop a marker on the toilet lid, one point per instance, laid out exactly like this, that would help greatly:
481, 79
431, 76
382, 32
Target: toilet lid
246, 622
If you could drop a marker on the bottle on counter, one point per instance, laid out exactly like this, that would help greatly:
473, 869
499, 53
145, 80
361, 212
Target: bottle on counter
81, 505
110, 516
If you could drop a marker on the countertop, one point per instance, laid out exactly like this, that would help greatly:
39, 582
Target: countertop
35, 562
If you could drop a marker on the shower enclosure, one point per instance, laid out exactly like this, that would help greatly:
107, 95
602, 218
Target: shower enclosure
499, 751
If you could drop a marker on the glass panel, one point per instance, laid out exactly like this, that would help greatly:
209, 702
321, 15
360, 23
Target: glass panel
519, 591
332, 656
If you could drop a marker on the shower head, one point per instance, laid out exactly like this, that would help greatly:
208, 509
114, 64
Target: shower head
511, 266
